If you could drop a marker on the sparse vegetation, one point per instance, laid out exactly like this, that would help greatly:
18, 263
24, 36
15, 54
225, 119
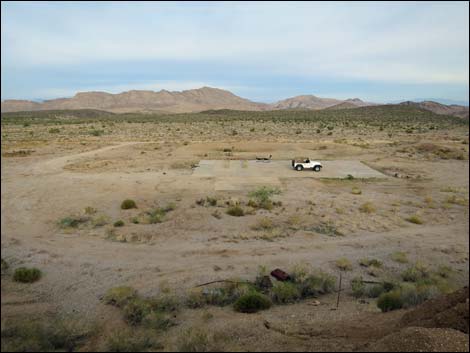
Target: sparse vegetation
261, 197
399, 256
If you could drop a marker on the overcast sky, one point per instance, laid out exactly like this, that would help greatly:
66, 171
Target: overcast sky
262, 51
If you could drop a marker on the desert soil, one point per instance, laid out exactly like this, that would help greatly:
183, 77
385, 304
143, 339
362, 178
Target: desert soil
61, 176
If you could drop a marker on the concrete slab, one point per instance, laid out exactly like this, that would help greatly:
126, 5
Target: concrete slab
282, 169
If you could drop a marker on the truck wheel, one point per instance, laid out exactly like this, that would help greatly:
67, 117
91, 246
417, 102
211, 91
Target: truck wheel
317, 168
299, 168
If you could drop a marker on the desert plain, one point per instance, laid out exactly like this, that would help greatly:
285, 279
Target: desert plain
393, 193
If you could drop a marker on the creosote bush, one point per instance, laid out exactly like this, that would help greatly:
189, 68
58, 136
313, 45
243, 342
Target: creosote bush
235, 211
27, 275
252, 303
128, 204
120, 296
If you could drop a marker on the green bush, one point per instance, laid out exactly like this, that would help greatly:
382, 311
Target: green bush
119, 223
358, 287
157, 321
375, 290
27, 275
135, 311
235, 211
120, 296
262, 197
285, 292
72, 221
128, 204
252, 303
390, 301
415, 273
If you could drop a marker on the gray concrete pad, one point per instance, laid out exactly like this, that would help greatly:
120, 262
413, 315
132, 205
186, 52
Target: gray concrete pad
282, 169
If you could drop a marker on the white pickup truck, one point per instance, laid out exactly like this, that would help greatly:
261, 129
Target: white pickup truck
300, 164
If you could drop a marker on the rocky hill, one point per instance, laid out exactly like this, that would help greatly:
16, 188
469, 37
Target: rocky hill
437, 108
165, 101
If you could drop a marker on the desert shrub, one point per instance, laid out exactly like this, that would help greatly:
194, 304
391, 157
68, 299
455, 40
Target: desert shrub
414, 219
344, 264
399, 256
165, 303
72, 221
312, 283
285, 292
252, 303
235, 211
99, 221
327, 228
128, 341
27, 275
128, 204
96, 132
5, 265
119, 223
390, 301
54, 131
406, 295
367, 207
26, 335
263, 224
135, 311
212, 201
120, 296
356, 191
157, 321
262, 197
216, 214
358, 287
193, 340
415, 273
90, 210
375, 290
453, 199
444, 271
370, 262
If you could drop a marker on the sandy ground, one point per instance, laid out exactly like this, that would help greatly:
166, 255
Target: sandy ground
191, 246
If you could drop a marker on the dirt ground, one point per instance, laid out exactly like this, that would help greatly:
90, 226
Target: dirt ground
60, 177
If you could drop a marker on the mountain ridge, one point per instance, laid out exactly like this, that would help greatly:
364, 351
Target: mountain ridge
200, 99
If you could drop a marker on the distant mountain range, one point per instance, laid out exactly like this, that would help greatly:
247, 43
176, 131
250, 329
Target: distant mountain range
201, 99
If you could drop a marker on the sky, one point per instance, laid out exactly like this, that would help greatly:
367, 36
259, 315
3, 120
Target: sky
263, 51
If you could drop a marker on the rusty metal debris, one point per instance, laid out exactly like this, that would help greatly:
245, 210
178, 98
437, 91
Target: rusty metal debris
280, 275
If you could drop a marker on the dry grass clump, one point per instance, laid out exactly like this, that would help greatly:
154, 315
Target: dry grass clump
399, 256
343, 264
235, 211
367, 207
414, 219
263, 224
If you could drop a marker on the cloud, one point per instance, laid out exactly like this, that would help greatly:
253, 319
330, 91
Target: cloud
424, 43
